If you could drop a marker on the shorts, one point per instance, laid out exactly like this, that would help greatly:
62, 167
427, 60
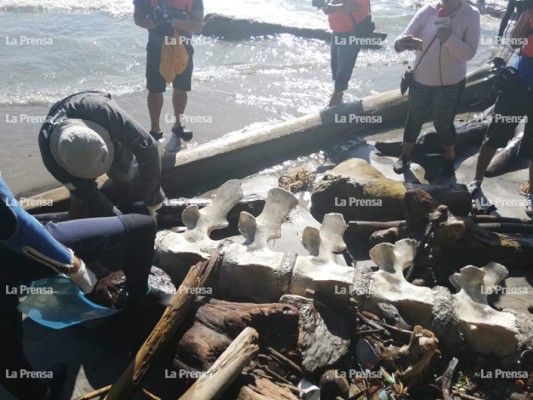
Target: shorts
155, 83
509, 110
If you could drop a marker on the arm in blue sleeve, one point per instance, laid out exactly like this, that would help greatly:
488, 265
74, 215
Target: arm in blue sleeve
29, 237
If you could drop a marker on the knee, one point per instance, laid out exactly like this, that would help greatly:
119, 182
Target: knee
139, 225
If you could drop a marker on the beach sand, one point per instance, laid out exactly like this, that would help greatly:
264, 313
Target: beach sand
210, 113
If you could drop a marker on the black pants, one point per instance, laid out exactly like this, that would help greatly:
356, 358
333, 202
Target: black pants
129, 236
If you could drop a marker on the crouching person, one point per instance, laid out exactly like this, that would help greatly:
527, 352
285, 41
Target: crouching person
87, 135
31, 252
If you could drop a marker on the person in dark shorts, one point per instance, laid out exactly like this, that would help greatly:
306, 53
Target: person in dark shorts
186, 17
87, 135
30, 251
511, 107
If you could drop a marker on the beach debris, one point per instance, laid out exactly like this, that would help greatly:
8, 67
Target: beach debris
253, 271
411, 360
166, 328
297, 179
226, 368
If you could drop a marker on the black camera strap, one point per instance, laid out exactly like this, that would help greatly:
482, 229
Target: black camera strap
424, 54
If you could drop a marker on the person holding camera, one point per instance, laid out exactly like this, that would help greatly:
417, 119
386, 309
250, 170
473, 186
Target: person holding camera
162, 18
445, 36
347, 19
515, 100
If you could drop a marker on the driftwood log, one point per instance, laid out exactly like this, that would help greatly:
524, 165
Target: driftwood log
218, 322
226, 369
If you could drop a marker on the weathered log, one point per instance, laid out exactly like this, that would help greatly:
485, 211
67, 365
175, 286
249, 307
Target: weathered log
95, 394
507, 157
259, 388
507, 227
218, 322
226, 368
172, 318
231, 28
324, 336
497, 219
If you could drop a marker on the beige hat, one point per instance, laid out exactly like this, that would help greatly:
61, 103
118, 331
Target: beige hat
82, 147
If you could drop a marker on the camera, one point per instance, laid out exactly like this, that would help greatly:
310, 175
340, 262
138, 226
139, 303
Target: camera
319, 3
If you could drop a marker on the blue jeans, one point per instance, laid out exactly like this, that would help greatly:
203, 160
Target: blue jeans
343, 56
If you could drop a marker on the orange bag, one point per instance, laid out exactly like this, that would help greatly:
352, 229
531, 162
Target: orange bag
174, 58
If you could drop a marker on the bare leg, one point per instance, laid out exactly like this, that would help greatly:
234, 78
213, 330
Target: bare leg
155, 105
179, 101
485, 157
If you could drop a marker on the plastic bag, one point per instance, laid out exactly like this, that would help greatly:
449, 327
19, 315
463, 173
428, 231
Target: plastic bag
57, 303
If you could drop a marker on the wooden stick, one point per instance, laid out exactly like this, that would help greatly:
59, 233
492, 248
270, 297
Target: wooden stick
280, 357
96, 393
226, 368
465, 396
150, 395
447, 378
165, 329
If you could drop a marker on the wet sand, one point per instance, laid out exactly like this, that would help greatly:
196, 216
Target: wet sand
22, 168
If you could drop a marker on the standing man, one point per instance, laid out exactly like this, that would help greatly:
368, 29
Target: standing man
511, 106
87, 135
162, 18
344, 16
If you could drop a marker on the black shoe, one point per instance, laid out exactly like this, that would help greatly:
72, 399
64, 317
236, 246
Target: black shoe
401, 165
59, 374
158, 136
448, 167
182, 133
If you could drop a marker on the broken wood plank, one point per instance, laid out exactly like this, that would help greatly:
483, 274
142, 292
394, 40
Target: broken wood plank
165, 329
447, 378
95, 394
226, 369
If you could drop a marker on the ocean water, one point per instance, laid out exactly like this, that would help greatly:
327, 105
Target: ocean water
49, 49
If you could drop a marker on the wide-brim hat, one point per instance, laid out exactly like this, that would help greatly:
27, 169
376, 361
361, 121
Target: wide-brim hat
82, 147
